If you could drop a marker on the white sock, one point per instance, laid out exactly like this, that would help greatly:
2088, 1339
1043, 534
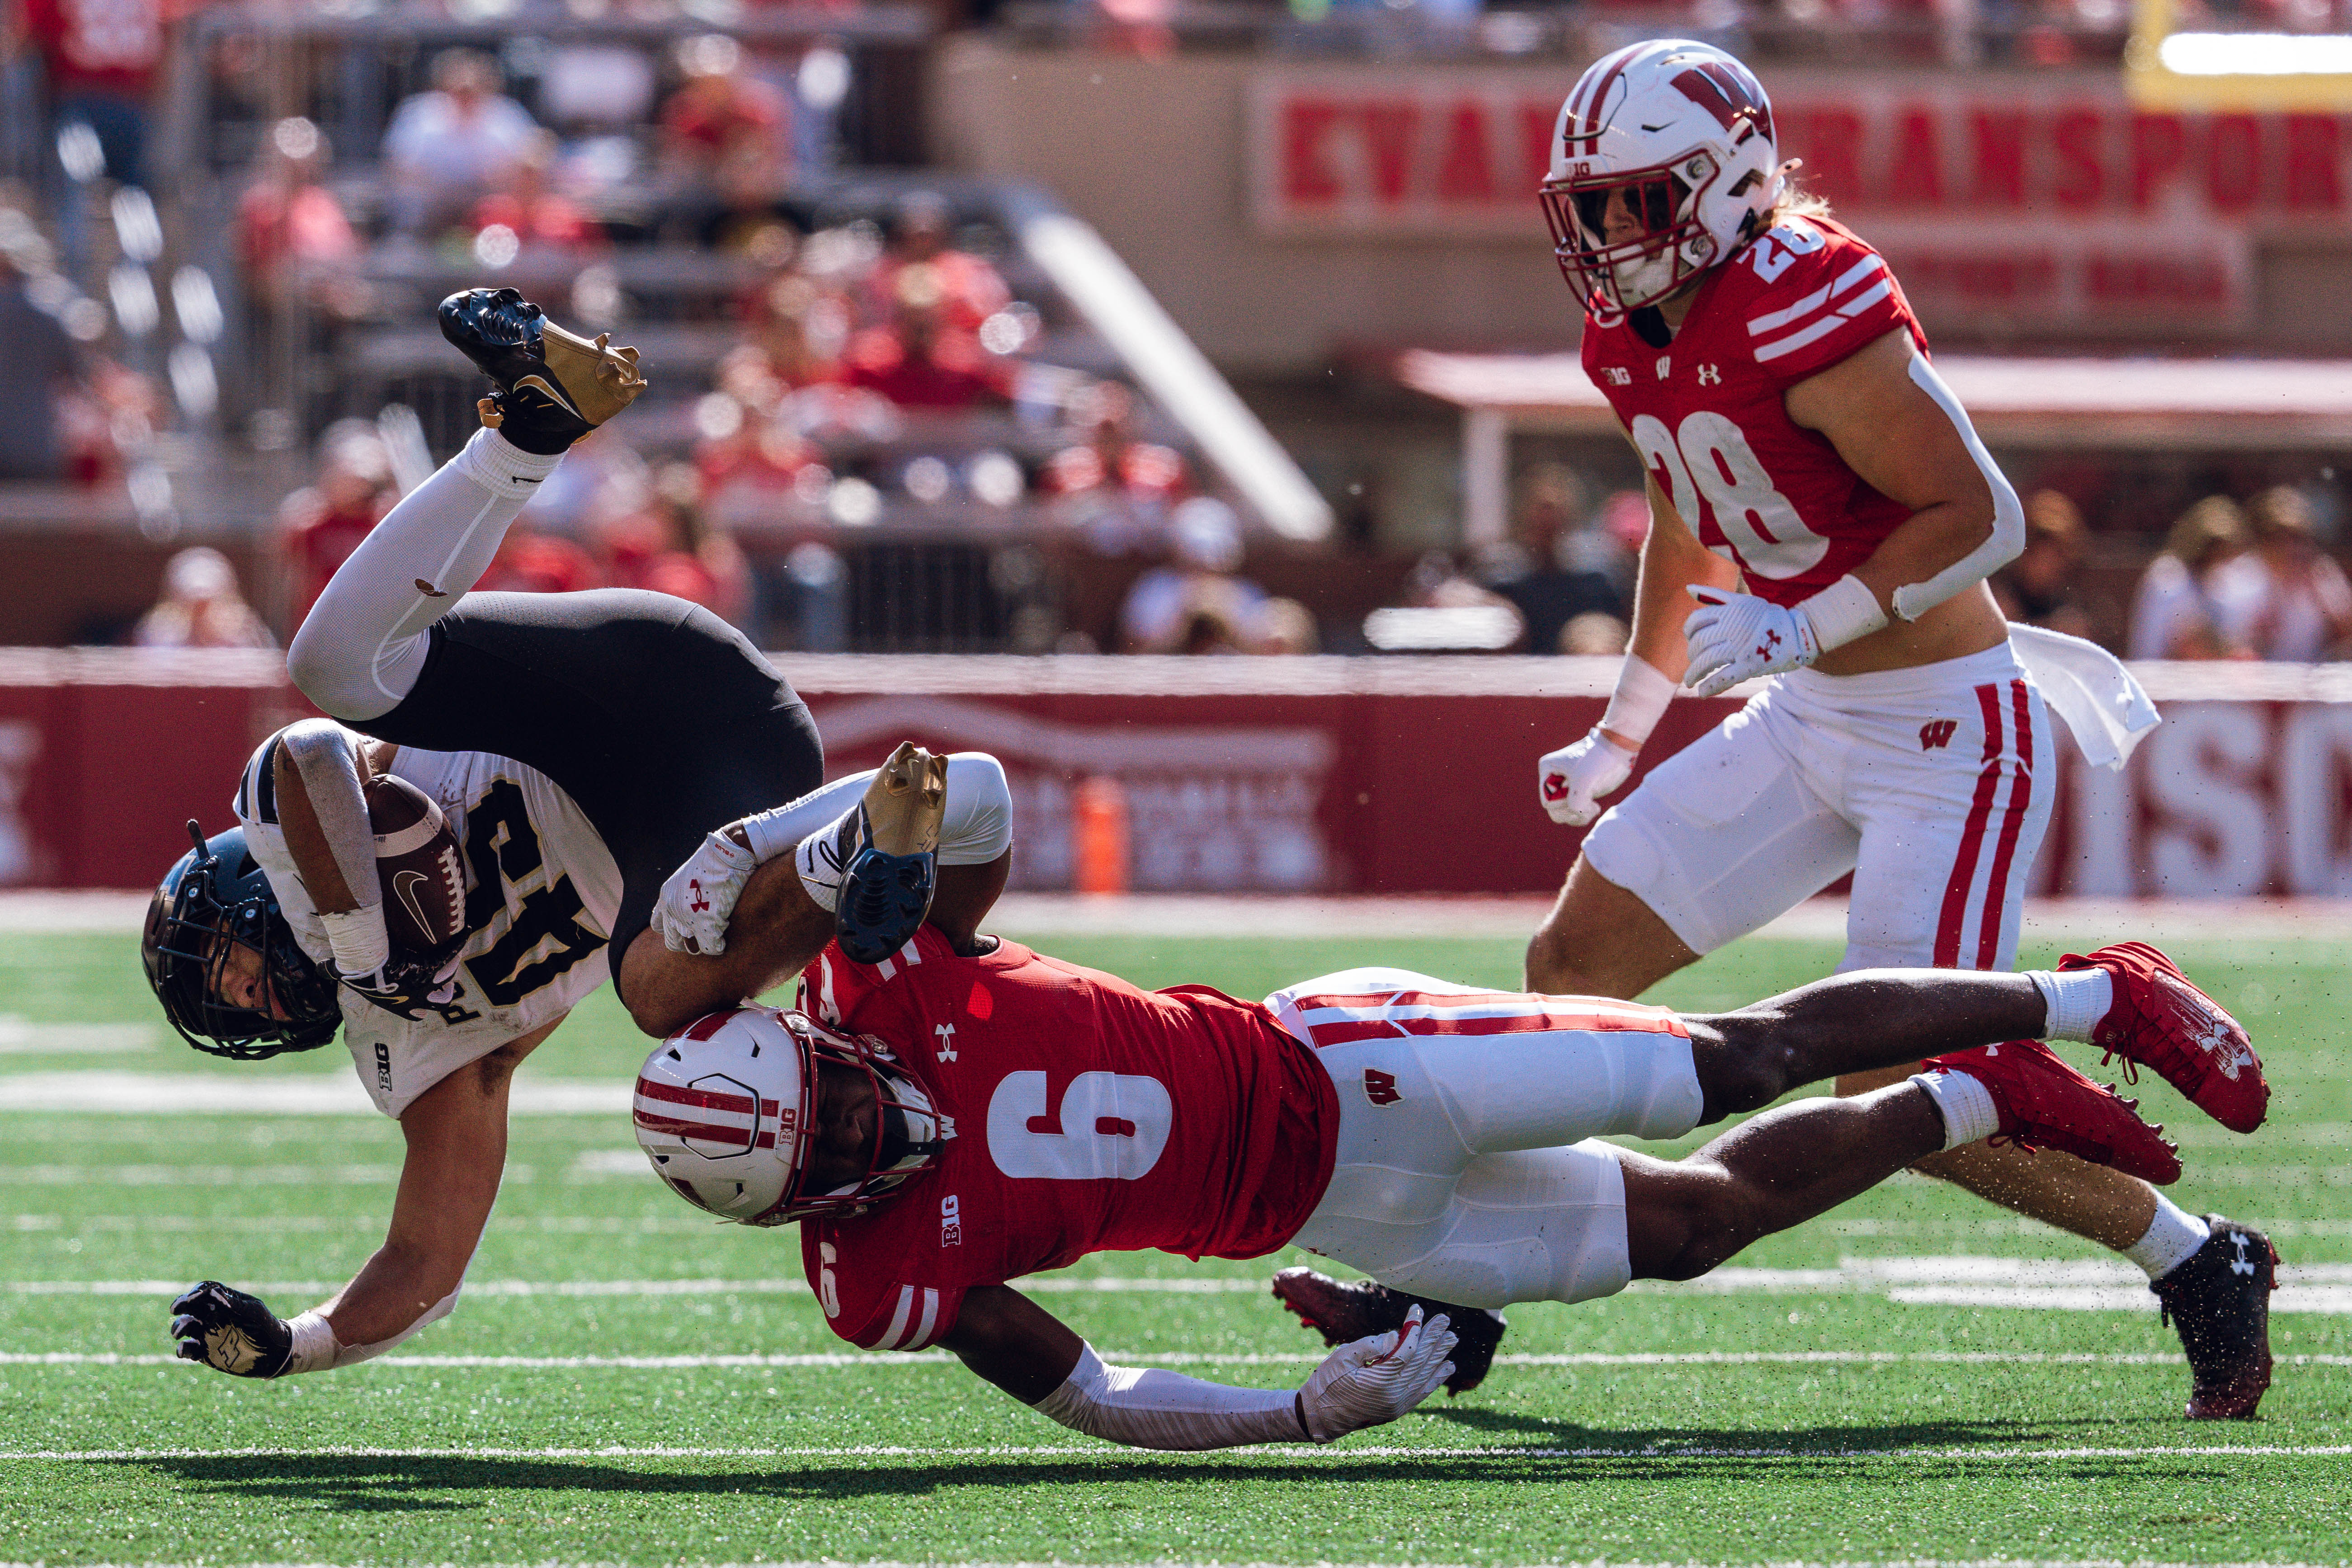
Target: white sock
1965, 1105
2077, 999
2173, 1237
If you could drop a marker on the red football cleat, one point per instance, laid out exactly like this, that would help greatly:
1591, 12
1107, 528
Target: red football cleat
2160, 1020
2045, 1104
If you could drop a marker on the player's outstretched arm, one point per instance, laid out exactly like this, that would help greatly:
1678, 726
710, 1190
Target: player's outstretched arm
1034, 1356
457, 1133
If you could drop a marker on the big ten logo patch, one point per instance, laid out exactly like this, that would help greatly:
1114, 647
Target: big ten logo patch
1380, 1088
951, 1222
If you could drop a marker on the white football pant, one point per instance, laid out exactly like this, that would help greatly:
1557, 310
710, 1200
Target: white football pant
1932, 786
1452, 1178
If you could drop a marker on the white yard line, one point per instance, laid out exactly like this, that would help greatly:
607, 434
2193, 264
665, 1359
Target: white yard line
2032, 1284
855, 1359
1281, 1455
1221, 1562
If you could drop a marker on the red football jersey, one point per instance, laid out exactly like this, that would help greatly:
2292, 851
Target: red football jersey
1706, 413
1090, 1116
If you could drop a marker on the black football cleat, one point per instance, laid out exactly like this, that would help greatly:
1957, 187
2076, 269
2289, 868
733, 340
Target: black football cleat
1343, 1310
553, 386
2219, 1300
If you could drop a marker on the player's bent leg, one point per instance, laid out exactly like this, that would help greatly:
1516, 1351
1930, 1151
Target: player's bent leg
1599, 940
1855, 1022
1725, 835
2071, 1195
1774, 1171
364, 645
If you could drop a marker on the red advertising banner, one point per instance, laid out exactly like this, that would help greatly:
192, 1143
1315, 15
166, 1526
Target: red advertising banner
2043, 198
1237, 775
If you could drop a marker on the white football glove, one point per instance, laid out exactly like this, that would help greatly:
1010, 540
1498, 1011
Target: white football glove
698, 899
1738, 637
1572, 781
1377, 1378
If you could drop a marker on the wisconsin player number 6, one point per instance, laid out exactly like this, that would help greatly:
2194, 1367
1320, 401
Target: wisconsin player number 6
1109, 1126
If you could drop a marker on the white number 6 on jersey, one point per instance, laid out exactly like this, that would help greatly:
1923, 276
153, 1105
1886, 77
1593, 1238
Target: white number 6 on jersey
1110, 1126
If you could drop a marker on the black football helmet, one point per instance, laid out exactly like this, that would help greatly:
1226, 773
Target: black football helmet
218, 896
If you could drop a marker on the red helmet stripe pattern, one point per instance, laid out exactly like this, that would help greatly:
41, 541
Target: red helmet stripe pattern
1587, 109
1726, 93
714, 1133
702, 1099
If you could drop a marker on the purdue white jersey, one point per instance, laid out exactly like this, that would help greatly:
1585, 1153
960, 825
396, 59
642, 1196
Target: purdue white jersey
541, 895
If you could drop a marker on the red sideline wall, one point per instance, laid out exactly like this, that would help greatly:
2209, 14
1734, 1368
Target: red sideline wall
1349, 775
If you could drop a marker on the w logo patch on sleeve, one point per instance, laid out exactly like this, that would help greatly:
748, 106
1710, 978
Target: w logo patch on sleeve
1936, 733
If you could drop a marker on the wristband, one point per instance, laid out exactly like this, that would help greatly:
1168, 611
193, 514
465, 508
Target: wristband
314, 1344
1640, 700
1842, 612
360, 944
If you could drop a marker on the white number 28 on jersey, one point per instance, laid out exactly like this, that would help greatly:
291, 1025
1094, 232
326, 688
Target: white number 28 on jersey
1110, 1126
1710, 459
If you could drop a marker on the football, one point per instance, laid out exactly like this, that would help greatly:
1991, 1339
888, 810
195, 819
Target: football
417, 865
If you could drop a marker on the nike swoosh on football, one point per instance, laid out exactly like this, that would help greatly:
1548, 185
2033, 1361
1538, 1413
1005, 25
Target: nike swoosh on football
404, 887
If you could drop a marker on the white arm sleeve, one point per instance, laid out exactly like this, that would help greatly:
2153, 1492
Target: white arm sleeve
1913, 600
1154, 1408
323, 756
976, 829
316, 1349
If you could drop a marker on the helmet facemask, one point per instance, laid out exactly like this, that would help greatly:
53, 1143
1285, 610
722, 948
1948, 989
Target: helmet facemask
204, 913
909, 1130
1669, 246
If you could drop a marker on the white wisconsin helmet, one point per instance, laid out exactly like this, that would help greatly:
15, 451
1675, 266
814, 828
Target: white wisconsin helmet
1681, 132
725, 1109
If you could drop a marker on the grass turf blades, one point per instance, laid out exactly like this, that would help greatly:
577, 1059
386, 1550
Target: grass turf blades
1737, 1460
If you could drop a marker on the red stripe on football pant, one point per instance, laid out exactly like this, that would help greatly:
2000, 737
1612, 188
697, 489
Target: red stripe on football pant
1349, 1031
1964, 867
2020, 795
1470, 999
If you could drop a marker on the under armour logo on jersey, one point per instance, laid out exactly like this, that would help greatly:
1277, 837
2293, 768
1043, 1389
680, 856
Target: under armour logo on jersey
1936, 733
428, 590
1709, 376
1665, 365
2242, 1264
945, 1049
1617, 375
951, 1223
1380, 1088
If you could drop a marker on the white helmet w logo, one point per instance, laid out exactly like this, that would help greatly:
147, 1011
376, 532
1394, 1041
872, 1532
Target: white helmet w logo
1663, 160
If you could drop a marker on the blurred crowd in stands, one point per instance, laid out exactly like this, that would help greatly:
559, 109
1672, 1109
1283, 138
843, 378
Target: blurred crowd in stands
882, 367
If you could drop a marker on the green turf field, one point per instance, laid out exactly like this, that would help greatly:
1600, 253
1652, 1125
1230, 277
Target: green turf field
1849, 1399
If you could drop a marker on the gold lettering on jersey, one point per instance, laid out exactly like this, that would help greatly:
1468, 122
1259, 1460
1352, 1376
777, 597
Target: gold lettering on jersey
1709, 376
1665, 365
